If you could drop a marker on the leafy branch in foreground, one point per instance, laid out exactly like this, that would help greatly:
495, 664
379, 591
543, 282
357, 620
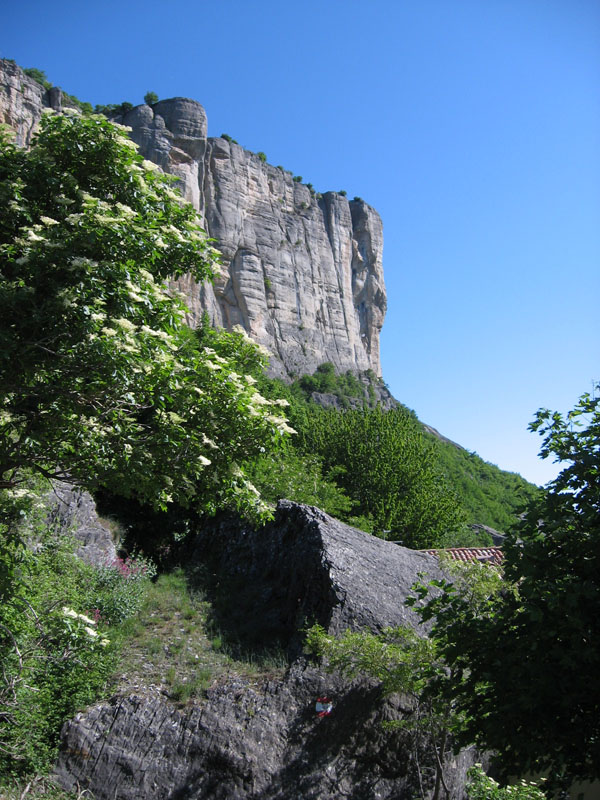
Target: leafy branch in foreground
526, 671
100, 381
405, 663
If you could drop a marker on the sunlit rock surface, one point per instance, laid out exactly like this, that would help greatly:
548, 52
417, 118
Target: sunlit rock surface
302, 273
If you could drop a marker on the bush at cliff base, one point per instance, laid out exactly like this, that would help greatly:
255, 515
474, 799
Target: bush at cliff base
57, 618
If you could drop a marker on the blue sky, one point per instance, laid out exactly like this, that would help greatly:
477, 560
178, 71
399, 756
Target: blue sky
472, 126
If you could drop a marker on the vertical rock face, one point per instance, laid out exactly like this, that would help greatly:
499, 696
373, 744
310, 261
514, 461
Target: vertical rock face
302, 273
22, 100
303, 276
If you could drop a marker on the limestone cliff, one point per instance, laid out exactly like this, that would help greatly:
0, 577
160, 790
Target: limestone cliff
302, 272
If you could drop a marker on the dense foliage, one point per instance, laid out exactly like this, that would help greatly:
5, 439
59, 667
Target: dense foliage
103, 384
388, 467
383, 462
100, 379
56, 642
489, 495
483, 787
526, 670
486, 494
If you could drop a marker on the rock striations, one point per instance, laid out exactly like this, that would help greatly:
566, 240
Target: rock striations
302, 273
248, 741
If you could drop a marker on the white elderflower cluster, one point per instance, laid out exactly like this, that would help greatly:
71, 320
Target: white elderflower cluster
124, 324
88, 627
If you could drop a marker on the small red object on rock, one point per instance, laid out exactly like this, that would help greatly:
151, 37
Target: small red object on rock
323, 706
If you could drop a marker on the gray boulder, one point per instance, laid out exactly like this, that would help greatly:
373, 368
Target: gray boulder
72, 510
307, 567
266, 742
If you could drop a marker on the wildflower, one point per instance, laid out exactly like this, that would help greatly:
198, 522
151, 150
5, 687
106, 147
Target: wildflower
104, 642
204, 461
126, 210
80, 261
159, 334
91, 632
125, 324
20, 493
69, 612
49, 221
259, 400
109, 331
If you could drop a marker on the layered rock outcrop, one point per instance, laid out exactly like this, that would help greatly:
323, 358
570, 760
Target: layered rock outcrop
22, 101
265, 741
302, 273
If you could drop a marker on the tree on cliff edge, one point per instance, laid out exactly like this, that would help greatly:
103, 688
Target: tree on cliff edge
101, 381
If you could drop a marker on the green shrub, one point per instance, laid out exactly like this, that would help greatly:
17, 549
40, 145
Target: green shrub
55, 657
56, 642
297, 178
113, 109
150, 98
120, 588
262, 156
39, 76
482, 787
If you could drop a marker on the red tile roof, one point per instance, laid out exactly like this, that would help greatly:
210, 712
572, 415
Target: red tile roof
489, 555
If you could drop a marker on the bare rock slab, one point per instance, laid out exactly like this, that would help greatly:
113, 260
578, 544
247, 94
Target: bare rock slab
245, 741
